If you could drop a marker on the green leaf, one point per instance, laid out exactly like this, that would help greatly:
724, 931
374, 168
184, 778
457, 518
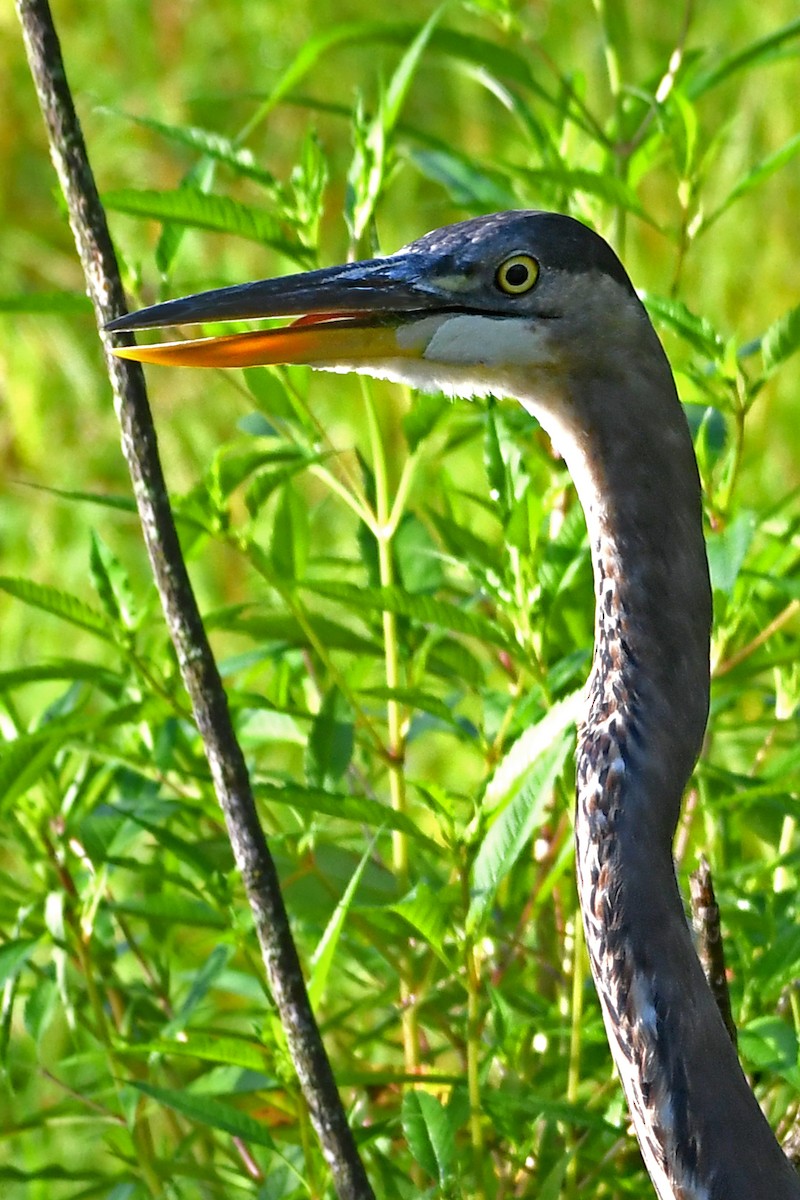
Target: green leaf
362, 809
228, 1051
268, 481
202, 982
697, 331
429, 1133
118, 503
411, 698
322, 959
424, 609
769, 1044
418, 557
206, 142
570, 180
13, 956
493, 461
172, 909
61, 668
186, 206
24, 761
283, 628
330, 743
206, 1111
111, 583
519, 793
553, 1183
57, 304
199, 178
759, 53
727, 551
465, 184
423, 908
781, 340
421, 419
402, 78
60, 604
753, 179
288, 550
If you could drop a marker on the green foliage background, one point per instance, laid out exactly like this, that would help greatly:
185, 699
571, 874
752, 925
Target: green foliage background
398, 589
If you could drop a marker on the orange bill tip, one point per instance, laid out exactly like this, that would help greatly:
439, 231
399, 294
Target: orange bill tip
310, 342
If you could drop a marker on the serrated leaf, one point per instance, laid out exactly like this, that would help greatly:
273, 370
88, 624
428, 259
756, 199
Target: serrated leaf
60, 668
521, 790
362, 809
329, 748
466, 185
172, 909
119, 503
494, 464
421, 418
204, 141
23, 762
13, 956
322, 959
781, 340
455, 663
418, 557
769, 1044
202, 981
429, 1133
464, 545
757, 54
60, 604
422, 907
60, 304
425, 609
289, 543
187, 206
283, 628
411, 698
753, 179
727, 551
228, 1051
111, 583
269, 480
206, 1111
200, 178
697, 331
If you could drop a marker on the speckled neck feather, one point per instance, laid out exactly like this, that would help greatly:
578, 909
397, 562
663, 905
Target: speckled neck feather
701, 1131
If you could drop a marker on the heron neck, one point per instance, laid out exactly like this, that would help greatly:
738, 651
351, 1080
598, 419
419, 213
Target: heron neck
701, 1132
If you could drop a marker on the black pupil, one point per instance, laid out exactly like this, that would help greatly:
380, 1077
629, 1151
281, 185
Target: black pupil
517, 274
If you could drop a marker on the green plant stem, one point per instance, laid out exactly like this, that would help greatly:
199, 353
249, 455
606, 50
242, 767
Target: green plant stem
394, 720
576, 1029
473, 1055
140, 1131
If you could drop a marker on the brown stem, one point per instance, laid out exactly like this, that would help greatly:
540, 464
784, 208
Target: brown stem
707, 926
198, 668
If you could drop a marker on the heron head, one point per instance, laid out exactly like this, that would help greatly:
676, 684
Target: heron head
502, 304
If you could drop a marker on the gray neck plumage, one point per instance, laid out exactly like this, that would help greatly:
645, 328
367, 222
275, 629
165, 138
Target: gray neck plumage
702, 1134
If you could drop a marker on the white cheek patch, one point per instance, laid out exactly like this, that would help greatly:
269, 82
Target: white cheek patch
464, 355
470, 340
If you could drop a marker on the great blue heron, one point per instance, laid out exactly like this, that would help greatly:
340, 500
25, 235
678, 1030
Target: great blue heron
537, 307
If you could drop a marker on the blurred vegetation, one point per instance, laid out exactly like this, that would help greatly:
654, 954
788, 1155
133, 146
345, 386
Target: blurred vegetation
398, 589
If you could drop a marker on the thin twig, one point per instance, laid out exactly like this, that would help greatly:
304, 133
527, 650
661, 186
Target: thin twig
706, 921
198, 668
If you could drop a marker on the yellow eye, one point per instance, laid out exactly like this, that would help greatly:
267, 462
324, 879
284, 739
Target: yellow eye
517, 274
